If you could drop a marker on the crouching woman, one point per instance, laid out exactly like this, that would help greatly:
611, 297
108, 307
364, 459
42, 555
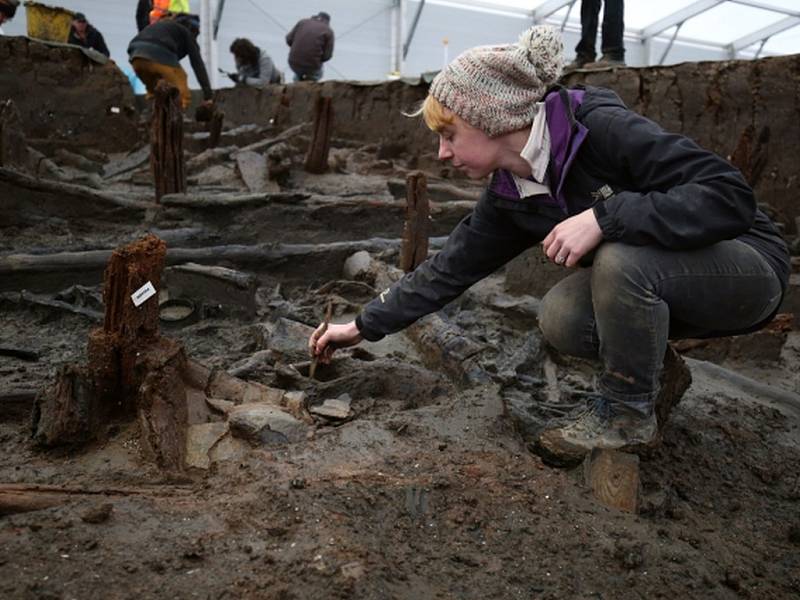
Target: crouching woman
672, 240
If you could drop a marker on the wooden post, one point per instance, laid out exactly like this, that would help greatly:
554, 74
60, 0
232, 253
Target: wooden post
215, 128
127, 329
613, 477
317, 157
417, 225
166, 141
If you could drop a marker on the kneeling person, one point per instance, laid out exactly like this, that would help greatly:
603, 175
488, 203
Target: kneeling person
155, 54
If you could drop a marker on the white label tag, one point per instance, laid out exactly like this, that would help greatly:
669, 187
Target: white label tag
143, 293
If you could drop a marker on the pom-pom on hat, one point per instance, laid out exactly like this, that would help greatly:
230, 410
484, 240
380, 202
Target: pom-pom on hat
496, 88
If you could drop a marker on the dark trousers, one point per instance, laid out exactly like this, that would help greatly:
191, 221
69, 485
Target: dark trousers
633, 299
613, 28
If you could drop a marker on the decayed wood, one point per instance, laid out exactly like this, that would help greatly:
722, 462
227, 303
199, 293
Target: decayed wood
613, 477
166, 135
21, 497
68, 193
446, 346
264, 254
127, 329
13, 502
417, 224
215, 128
79, 490
287, 134
200, 201
443, 192
25, 297
317, 158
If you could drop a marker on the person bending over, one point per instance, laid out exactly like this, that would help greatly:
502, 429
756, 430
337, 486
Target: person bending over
673, 242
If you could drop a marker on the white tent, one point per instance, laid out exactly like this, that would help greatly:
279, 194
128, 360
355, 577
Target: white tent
376, 38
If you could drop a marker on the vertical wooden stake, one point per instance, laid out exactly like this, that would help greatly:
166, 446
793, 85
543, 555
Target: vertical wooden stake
127, 328
166, 140
215, 128
417, 226
317, 157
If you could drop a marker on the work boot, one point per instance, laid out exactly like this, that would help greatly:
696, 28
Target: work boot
605, 62
600, 425
579, 62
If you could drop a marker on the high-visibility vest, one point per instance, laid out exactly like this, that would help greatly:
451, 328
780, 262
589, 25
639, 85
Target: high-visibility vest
162, 7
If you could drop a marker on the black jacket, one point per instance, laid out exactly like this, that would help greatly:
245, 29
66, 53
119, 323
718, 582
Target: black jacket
143, 9
94, 39
666, 191
167, 42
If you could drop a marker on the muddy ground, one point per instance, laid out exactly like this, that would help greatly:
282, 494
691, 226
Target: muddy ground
427, 488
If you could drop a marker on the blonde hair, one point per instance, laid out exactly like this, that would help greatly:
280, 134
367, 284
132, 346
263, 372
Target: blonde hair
435, 114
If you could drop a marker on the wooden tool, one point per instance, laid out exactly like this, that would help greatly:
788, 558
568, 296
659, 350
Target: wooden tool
315, 360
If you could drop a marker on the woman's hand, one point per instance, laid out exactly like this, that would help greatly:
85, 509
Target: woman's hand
323, 345
571, 239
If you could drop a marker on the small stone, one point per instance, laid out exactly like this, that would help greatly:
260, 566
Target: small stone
338, 408
263, 424
98, 513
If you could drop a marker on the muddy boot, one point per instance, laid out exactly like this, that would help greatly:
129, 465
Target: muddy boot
600, 425
675, 379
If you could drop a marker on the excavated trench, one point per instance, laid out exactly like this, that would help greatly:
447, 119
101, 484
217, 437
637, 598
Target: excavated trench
398, 471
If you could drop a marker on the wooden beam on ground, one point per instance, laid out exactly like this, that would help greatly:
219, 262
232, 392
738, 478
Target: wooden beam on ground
613, 477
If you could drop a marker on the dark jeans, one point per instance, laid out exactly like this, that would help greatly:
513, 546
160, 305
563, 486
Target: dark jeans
308, 75
613, 28
623, 309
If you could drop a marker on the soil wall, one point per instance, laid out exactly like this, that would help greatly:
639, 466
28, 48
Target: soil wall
719, 104
65, 97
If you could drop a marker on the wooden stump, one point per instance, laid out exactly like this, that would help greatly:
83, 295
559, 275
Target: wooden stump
417, 225
166, 139
127, 329
215, 128
613, 477
317, 158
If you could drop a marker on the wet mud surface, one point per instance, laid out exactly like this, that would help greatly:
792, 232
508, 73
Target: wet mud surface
426, 489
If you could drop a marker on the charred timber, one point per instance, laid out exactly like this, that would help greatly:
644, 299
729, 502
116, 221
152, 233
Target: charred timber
166, 134
317, 158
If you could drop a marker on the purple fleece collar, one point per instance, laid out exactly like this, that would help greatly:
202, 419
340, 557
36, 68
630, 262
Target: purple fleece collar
564, 144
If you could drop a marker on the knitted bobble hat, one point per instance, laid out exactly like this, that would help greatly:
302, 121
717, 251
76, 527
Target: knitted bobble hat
496, 88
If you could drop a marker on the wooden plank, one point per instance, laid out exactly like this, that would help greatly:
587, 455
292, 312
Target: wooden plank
166, 138
613, 477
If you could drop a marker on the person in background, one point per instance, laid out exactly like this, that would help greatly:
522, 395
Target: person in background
161, 8
8, 8
311, 44
669, 235
81, 33
254, 67
143, 9
156, 54
613, 29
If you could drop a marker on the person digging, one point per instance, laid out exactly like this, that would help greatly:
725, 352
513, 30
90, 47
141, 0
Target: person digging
664, 237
